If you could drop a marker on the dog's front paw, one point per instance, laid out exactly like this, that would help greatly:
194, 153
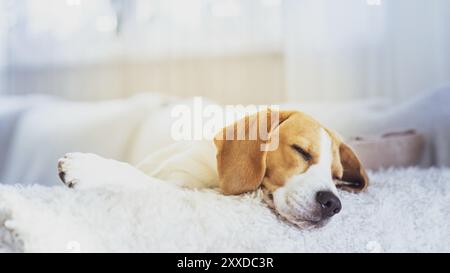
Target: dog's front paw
86, 171
67, 167
74, 168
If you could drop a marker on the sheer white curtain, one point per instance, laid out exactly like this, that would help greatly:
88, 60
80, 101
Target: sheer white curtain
77, 31
366, 48
99, 49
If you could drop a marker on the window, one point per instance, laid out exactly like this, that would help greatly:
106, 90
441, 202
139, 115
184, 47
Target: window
52, 32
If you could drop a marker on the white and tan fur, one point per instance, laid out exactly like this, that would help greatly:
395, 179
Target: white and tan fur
296, 198
290, 183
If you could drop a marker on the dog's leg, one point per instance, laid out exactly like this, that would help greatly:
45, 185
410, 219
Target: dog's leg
79, 170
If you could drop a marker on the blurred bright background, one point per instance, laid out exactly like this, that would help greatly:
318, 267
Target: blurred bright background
247, 51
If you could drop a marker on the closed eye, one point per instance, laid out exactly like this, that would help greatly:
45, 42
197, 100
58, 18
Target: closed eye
307, 156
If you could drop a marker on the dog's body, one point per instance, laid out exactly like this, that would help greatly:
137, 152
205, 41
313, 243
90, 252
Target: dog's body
189, 164
298, 178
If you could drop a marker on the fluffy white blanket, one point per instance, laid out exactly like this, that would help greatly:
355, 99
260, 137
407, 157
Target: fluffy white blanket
402, 211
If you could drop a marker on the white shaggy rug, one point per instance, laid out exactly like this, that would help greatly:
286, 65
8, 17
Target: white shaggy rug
402, 211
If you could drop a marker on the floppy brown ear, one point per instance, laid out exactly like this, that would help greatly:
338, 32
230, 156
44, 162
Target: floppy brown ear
354, 178
241, 162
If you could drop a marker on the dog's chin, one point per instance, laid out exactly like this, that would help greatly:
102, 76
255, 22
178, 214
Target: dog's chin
298, 221
306, 224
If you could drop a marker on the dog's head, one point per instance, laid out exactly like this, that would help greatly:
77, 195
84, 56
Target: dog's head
299, 177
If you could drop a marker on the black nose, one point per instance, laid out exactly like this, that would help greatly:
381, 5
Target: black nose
329, 203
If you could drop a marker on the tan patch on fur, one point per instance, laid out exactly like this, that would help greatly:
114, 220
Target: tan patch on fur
242, 166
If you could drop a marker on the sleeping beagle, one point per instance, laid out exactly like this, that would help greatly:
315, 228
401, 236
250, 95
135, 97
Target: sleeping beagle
299, 178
